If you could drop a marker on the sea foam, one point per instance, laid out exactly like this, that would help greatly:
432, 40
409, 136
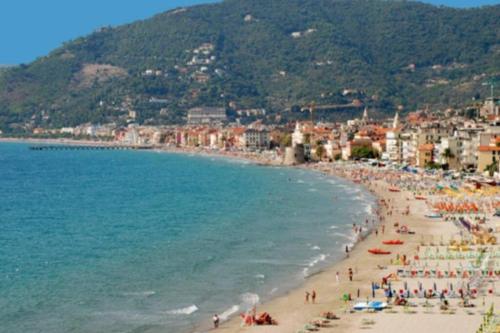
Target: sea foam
184, 311
229, 312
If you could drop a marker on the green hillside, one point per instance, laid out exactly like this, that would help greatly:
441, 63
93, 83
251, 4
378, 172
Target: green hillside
275, 54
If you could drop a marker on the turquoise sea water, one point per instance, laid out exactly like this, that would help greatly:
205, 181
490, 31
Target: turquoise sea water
122, 241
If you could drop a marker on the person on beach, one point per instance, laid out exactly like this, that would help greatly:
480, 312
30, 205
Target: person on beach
307, 297
347, 250
350, 274
337, 277
313, 296
216, 321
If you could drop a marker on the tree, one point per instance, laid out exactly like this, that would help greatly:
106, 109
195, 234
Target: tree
320, 152
492, 168
432, 165
364, 152
447, 155
307, 138
286, 140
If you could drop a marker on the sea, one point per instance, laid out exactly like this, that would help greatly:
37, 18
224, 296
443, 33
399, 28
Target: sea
145, 241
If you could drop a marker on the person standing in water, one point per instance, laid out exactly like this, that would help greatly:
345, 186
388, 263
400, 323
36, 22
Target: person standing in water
216, 321
307, 297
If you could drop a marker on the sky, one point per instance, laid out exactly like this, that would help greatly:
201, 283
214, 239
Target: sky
32, 28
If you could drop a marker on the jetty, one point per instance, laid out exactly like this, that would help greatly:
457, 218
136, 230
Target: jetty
90, 147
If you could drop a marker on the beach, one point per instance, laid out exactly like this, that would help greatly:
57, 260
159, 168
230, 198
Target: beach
293, 314
396, 208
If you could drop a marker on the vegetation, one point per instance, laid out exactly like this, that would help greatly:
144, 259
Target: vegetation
273, 54
364, 152
320, 152
433, 165
492, 168
286, 140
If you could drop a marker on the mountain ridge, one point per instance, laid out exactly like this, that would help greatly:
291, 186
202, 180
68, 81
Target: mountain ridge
273, 54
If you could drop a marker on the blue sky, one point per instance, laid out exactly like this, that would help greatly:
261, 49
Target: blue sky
32, 28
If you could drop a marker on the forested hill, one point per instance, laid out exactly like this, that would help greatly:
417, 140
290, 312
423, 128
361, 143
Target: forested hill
275, 54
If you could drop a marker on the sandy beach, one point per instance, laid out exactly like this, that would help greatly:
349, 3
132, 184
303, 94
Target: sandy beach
396, 208
293, 314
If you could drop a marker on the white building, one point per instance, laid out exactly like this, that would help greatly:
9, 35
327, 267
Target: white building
67, 130
206, 115
297, 135
393, 147
255, 139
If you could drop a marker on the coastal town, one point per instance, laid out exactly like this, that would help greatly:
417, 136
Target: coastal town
247, 166
452, 140
427, 260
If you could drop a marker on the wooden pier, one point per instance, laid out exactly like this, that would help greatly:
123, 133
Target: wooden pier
89, 147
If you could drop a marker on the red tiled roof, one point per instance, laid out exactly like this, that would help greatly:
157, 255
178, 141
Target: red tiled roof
488, 148
427, 147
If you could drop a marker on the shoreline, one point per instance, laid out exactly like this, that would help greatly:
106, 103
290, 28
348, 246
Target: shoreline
325, 276
289, 308
249, 158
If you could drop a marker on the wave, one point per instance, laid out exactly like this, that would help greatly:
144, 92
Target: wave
274, 262
146, 293
312, 190
248, 302
260, 276
250, 299
184, 311
229, 312
348, 237
315, 248
300, 181
313, 262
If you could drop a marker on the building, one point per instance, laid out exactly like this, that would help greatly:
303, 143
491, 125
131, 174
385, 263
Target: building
294, 155
488, 155
206, 115
468, 144
354, 144
448, 153
491, 107
393, 147
425, 155
298, 137
255, 139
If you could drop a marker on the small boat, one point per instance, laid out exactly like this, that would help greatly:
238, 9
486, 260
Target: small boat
433, 215
393, 242
420, 197
378, 251
394, 189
